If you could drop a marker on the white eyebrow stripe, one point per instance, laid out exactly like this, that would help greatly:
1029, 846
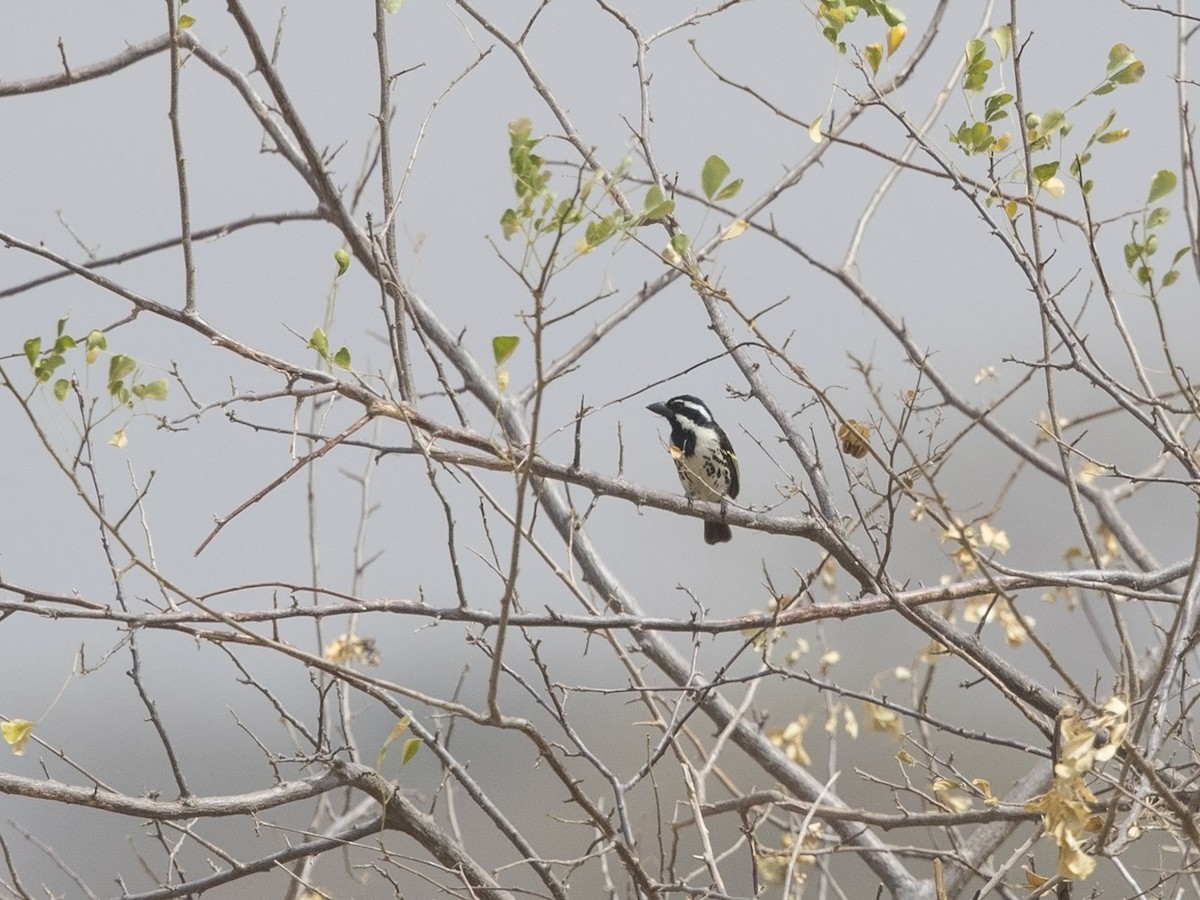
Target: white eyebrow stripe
701, 411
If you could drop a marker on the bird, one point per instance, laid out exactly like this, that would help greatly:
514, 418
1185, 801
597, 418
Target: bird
704, 458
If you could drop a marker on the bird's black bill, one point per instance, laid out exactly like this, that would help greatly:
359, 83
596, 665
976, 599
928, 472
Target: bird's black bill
717, 533
660, 408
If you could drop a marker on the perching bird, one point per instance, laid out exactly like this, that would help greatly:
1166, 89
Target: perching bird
703, 457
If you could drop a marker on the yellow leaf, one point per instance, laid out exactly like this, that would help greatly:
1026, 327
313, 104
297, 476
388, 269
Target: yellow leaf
895, 37
814, 130
874, 55
736, 229
118, 439
1033, 880
1055, 187
16, 733
398, 730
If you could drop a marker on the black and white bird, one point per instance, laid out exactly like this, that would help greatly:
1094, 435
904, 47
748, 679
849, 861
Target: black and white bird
704, 458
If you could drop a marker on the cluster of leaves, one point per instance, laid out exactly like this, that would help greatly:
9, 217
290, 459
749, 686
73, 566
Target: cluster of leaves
540, 212
1067, 816
978, 137
320, 342
835, 15
1143, 240
124, 385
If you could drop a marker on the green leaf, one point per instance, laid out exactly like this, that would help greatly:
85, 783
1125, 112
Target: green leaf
60, 389
1052, 121
399, 729
600, 231
503, 346
519, 130
342, 258
993, 105
1045, 171
655, 208
46, 366
1133, 250
1161, 185
320, 342
1158, 216
874, 56
63, 342
1002, 35
1180, 254
391, 6
729, 190
411, 746
1123, 66
61, 327
33, 349
1144, 275
341, 359
891, 14
1170, 278
1111, 137
715, 171
152, 390
510, 223
680, 243
186, 21
95, 343
118, 367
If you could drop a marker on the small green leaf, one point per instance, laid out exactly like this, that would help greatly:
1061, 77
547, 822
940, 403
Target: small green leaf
399, 729
1170, 278
1111, 137
391, 6
96, 342
519, 130
1045, 171
60, 389
892, 15
63, 342
510, 223
152, 390
342, 258
729, 190
715, 171
1123, 66
33, 349
680, 243
874, 55
1180, 254
341, 359
1144, 275
61, 327
411, 746
503, 346
1133, 250
1158, 216
1052, 121
1002, 35
320, 342
186, 21
1161, 185
118, 367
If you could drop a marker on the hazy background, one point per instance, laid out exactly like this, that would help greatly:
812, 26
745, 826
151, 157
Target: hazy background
99, 156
